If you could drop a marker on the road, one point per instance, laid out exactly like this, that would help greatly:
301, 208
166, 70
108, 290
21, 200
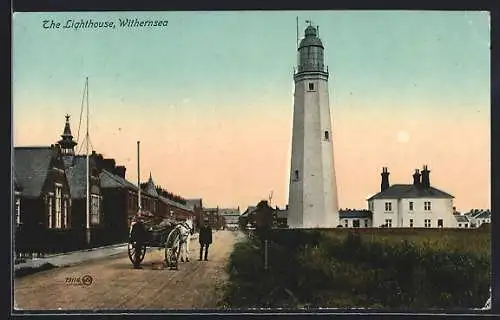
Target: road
116, 285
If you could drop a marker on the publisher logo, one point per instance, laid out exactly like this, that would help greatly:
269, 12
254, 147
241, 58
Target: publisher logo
83, 281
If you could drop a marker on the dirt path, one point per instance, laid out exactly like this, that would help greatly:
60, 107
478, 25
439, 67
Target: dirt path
116, 285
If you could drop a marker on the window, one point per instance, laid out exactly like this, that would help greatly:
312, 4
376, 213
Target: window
94, 209
388, 206
58, 205
366, 223
346, 224
410, 205
18, 210
49, 202
411, 223
460, 225
388, 223
440, 223
355, 223
427, 223
327, 135
427, 206
466, 225
311, 86
296, 175
64, 216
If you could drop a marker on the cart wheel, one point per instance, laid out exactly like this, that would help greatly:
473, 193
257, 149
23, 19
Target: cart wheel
172, 249
136, 253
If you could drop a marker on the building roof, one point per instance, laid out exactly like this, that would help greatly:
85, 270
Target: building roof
31, 167
230, 211
249, 210
355, 214
150, 187
77, 177
17, 186
194, 202
175, 204
400, 191
311, 38
109, 180
461, 218
483, 215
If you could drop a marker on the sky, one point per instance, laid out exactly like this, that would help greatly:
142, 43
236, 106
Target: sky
210, 97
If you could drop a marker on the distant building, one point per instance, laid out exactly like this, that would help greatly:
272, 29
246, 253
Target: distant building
477, 217
281, 217
231, 217
462, 222
418, 205
350, 218
213, 216
194, 203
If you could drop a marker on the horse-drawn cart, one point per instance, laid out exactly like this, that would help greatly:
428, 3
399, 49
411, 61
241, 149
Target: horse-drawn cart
149, 232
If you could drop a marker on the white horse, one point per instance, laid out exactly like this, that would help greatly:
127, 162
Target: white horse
186, 230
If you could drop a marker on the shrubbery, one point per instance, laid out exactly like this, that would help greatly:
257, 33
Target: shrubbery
343, 268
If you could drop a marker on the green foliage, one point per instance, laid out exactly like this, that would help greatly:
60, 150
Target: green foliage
377, 268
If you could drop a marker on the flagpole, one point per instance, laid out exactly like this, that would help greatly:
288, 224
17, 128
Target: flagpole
297, 32
88, 163
298, 57
139, 204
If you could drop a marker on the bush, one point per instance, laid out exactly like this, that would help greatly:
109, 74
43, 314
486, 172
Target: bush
346, 268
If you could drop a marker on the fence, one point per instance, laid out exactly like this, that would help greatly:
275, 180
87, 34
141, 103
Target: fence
29, 243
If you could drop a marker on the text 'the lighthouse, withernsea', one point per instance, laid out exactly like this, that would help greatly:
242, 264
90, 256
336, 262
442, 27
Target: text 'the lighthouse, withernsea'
313, 200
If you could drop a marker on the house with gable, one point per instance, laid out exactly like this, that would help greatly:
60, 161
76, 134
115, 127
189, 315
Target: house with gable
42, 201
43, 191
418, 205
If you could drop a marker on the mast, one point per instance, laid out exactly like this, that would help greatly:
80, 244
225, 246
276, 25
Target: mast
138, 179
297, 40
87, 155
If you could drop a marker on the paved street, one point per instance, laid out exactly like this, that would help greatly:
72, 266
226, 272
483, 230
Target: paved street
116, 285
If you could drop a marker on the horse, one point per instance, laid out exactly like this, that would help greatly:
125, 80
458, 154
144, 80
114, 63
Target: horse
186, 230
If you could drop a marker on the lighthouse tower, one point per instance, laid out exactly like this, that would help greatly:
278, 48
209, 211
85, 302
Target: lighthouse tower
312, 201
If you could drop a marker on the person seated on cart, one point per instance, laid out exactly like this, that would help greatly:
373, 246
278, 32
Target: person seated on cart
138, 235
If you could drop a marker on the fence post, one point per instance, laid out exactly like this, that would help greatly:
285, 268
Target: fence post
265, 254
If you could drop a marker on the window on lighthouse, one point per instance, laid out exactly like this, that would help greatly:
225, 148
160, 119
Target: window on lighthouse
296, 175
311, 86
327, 135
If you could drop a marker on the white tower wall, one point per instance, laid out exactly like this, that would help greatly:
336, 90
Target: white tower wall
313, 199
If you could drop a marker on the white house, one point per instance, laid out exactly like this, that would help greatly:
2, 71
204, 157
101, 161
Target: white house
355, 218
416, 205
462, 221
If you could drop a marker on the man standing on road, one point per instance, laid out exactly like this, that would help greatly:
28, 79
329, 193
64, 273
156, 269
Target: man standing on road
205, 239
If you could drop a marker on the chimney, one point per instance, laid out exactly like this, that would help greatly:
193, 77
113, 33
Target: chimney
416, 178
109, 164
426, 183
120, 171
385, 179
